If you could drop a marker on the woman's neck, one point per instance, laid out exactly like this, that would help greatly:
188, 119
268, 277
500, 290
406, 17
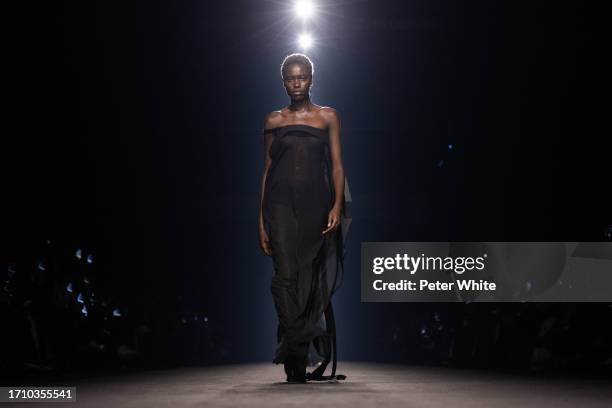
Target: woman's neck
300, 106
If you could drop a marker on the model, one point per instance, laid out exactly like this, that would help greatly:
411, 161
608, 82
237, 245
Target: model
301, 222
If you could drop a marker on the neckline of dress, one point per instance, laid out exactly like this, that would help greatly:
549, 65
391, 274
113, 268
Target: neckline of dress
297, 124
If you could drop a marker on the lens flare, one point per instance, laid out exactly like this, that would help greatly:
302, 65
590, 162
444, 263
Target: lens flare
304, 9
305, 40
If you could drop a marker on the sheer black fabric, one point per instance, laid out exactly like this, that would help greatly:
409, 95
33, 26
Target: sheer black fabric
308, 266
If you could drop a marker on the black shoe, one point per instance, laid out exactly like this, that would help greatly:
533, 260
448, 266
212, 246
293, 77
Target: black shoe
296, 378
295, 374
289, 371
298, 373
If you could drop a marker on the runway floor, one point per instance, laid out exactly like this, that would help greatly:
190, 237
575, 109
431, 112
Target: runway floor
367, 385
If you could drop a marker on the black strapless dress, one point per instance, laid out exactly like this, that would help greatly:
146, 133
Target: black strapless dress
308, 266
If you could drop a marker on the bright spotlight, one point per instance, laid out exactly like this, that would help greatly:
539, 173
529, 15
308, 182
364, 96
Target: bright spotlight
305, 40
304, 9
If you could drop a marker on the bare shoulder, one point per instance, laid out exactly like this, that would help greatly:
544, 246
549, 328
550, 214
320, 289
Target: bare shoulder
331, 115
273, 119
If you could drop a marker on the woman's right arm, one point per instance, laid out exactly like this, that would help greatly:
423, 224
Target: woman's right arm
266, 168
267, 142
267, 139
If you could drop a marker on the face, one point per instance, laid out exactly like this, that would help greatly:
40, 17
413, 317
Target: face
297, 81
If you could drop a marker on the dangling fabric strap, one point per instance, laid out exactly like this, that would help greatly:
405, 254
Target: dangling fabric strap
317, 375
330, 325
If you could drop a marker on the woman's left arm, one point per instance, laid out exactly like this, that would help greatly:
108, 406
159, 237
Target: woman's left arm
335, 147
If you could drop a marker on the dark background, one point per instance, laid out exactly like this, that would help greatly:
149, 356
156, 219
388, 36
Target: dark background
132, 132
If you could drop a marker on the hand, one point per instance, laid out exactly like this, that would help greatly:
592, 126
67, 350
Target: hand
333, 220
264, 242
